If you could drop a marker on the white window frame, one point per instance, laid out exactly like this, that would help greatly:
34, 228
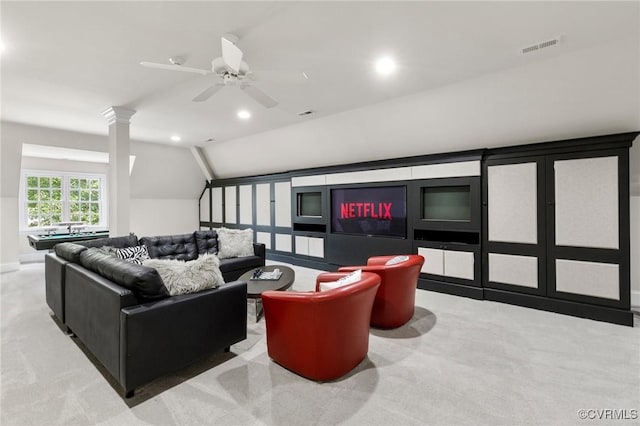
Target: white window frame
66, 176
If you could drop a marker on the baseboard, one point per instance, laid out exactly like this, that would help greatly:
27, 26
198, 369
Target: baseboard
567, 307
9, 267
451, 288
635, 300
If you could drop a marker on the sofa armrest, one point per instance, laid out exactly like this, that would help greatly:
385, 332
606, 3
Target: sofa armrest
164, 336
92, 312
260, 250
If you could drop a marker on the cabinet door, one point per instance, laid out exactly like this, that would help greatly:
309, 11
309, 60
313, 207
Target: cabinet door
587, 245
514, 223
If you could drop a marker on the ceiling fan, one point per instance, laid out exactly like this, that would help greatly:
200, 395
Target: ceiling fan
230, 69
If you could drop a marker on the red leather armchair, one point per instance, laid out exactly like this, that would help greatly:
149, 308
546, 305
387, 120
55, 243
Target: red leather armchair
320, 335
395, 300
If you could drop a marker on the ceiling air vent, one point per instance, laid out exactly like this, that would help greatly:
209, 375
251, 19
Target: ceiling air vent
303, 113
539, 46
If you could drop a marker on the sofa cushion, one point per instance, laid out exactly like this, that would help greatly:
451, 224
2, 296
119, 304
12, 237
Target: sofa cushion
143, 281
181, 247
133, 254
117, 242
207, 241
240, 263
235, 243
69, 251
188, 277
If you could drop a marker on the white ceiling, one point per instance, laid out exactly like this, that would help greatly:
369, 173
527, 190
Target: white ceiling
66, 62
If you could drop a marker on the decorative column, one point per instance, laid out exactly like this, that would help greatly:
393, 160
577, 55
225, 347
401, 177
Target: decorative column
119, 187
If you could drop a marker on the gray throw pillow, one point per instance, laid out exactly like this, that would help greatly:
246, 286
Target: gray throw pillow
235, 243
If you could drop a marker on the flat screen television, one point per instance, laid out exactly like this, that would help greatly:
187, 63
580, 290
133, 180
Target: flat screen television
309, 204
375, 211
446, 203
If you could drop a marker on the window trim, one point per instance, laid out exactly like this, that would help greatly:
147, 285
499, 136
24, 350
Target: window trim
66, 176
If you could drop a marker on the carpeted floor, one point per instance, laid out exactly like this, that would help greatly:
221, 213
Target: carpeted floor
458, 361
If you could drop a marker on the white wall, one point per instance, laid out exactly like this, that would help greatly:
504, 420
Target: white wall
165, 184
587, 92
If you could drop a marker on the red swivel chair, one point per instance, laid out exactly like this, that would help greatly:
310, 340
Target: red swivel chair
395, 300
320, 335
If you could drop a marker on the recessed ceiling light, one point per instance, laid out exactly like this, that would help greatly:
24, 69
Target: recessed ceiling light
176, 138
243, 114
385, 66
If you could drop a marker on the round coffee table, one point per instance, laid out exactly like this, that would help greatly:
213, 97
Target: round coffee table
256, 287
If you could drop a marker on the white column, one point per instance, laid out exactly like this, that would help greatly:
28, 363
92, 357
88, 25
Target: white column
119, 188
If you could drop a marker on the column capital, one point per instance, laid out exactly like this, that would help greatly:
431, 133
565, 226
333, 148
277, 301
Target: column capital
116, 114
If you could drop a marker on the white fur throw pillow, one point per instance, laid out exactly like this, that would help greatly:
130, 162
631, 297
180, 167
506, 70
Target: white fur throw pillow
188, 277
235, 243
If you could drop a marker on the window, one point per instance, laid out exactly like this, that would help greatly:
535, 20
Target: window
48, 198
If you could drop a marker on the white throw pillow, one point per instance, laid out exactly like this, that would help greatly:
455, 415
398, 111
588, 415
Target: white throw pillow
396, 260
181, 277
353, 277
235, 243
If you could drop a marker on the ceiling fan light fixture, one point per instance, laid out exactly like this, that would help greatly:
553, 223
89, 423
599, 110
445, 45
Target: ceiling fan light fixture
244, 114
385, 65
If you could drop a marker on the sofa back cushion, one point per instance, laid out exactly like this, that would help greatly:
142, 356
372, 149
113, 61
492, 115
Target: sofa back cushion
181, 247
207, 242
69, 251
117, 242
143, 281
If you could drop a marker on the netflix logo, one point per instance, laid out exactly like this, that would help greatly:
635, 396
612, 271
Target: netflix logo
366, 210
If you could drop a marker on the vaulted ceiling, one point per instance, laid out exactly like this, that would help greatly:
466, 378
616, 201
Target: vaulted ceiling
65, 62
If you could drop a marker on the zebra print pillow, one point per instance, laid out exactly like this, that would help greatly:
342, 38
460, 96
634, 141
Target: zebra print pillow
133, 254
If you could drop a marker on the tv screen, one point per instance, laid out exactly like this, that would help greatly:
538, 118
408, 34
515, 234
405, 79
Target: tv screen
379, 211
446, 203
310, 204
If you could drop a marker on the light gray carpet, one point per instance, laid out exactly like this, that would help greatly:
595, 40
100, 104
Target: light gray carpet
458, 361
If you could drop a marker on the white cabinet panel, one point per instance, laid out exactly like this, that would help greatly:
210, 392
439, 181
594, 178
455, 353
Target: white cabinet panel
588, 278
302, 246
445, 170
283, 242
316, 247
216, 205
433, 261
230, 202
458, 264
513, 269
205, 206
586, 202
263, 204
512, 203
246, 205
264, 238
283, 203
309, 246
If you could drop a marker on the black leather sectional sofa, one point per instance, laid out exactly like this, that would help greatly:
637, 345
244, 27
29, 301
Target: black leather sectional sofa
123, 314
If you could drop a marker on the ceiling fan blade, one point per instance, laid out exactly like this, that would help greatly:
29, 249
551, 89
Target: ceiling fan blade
207, 93
231, 54
170, 67
259, 96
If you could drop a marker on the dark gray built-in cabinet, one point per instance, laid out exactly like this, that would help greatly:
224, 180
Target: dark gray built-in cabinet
556, 227
543, 225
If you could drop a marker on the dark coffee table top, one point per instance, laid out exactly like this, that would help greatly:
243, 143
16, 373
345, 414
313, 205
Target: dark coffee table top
256, 287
